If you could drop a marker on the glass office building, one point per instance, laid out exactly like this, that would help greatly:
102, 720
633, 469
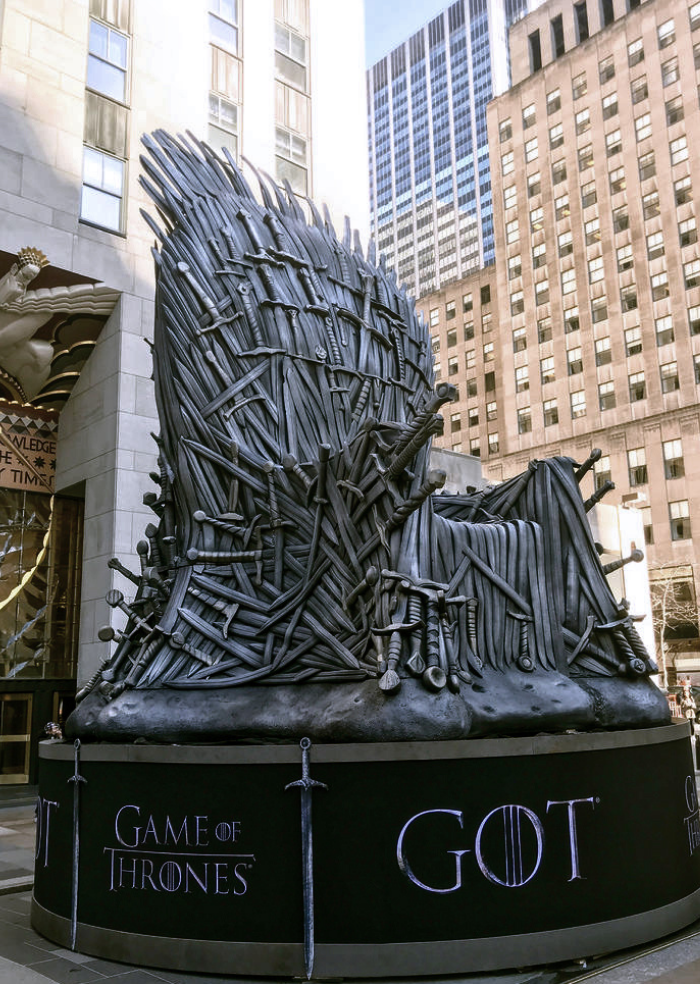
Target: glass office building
430, 184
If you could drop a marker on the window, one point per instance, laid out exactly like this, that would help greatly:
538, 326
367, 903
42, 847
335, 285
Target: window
666, 33
599, 309
596, 269
107, 61
452, 338
607, 12
659, 286
471, 387
664, 330
674, 466
669, 71
669, 377
522, 379
517, 302
457, 446
579, 86
556, 136
102, 190
592, 230
455, 422
613, 143
565, 243
493, 443
539, 256
434, 317
648, 528
547, 374
290, 57
635, 52
694, 319
544, 330
647, 166
510, 197
519, 339
452, 365
601, 471
628, 298
550, 412
514, 266
541, 292
475, 447
683, 191
468, 331
524, 420
603, 355
558, 172
512, 231
679, 517
557, 28
533, 184
679, 150
609, 105
650, 205
621, 219
505, 130
694, 16
585, 157
450, 311
553, 101
467, 302
696, 364
633, 341
581, 20
473, 416
583, 121
624, 258
606, 69
529, 116
531, 150
589, 195
687, 232
617, 180
536, 219
488, 352
571, 320
435, 343
561, 207
491, 411
637, 467
696, 55
674, 112
290, 159
578, 404
223, 123
574, 361
507, 163
655, 245
642, 126
485, 294
639, 89
606, 396
691, 274
568, 281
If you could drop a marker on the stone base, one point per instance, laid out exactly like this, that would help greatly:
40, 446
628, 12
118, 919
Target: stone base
430, 858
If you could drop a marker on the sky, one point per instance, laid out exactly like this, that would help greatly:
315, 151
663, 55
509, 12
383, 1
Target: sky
389, 22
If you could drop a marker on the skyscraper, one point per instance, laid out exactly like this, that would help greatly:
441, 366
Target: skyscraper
430, 183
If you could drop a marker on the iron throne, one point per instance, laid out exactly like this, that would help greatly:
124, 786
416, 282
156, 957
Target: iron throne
303, 578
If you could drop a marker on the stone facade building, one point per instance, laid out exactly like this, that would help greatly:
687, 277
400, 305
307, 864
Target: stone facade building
80, 81
596, 340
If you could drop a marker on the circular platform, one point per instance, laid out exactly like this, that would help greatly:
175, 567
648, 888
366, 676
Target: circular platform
440, 857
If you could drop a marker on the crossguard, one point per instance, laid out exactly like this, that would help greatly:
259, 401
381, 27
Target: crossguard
76, 759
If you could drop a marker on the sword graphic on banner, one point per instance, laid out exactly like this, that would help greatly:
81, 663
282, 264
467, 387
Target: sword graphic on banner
306, 785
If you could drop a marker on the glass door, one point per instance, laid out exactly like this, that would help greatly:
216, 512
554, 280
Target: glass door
15, 737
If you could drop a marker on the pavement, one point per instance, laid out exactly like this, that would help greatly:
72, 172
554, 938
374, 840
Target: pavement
27, 958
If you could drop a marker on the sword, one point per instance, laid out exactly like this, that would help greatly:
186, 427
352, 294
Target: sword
76, 779
307, 784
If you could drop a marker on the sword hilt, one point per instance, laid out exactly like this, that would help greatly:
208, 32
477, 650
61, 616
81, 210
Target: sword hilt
306, 782
76, 759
